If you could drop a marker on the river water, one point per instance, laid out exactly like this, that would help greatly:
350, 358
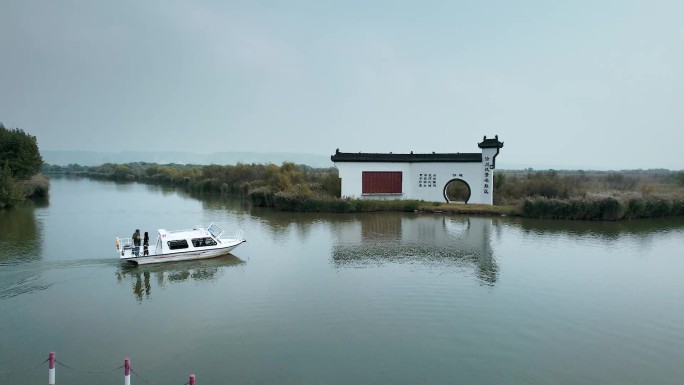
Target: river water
391, 298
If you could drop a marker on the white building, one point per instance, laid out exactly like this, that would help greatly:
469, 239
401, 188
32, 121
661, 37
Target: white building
419, 176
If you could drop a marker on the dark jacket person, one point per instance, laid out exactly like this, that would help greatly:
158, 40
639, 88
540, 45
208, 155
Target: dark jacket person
146, 243
136, 242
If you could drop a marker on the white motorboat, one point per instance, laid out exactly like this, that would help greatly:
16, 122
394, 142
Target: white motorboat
179, 245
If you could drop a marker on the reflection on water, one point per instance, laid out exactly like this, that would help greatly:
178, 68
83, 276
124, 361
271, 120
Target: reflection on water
143, 278
221, 202
607, 230
19, 234
20, 244
280, 223
377, 239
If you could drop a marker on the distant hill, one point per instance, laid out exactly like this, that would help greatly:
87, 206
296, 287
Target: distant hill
93, 158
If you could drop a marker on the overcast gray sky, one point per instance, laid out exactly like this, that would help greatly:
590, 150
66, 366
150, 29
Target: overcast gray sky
574, 84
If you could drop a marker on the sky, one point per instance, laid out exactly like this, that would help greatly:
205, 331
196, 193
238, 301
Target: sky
564, 84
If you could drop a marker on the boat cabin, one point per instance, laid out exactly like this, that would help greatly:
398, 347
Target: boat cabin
177, 241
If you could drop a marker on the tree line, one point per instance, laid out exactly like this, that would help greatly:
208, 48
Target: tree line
20, 162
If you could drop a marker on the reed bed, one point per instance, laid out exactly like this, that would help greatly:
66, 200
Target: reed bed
593, 195
579, 194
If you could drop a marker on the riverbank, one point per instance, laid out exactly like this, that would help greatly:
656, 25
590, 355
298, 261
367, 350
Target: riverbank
609, 208
591, 207
575, 195
466, 209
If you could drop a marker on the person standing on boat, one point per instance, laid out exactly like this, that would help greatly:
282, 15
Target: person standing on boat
146, 243
136, 242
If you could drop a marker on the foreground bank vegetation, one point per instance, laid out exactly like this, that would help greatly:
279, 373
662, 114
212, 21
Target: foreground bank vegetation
529, 193
20, 162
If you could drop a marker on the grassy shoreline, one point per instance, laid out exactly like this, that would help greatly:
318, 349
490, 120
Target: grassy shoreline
575, 195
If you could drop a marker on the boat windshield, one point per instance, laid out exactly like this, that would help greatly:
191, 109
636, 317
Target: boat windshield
215, 231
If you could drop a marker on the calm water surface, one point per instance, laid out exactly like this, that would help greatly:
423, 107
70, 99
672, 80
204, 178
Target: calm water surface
336, 299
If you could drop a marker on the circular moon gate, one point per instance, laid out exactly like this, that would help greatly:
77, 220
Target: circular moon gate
457, 191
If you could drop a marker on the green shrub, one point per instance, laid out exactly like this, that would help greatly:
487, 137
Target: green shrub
607, 208
19, 150
635, 208
36, 187
261, 197
206, 186
656, 207
677, 207
11, 192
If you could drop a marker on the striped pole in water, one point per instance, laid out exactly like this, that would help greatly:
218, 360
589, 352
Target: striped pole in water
51, 372
192, 379
127, 371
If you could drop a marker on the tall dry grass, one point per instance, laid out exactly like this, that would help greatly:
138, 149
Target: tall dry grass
592, 195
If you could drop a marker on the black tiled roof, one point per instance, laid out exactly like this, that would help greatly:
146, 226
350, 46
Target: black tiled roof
370, 157
490, 143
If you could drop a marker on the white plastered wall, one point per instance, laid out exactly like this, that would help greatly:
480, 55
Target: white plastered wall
425, 180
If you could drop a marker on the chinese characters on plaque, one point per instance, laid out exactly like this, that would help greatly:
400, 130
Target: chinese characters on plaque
487, 174
427, 180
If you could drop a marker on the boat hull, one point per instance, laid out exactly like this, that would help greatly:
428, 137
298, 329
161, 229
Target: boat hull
183, 256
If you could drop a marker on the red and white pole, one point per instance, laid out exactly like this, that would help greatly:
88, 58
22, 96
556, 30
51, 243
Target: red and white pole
127, 371
192, 379
51, 372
